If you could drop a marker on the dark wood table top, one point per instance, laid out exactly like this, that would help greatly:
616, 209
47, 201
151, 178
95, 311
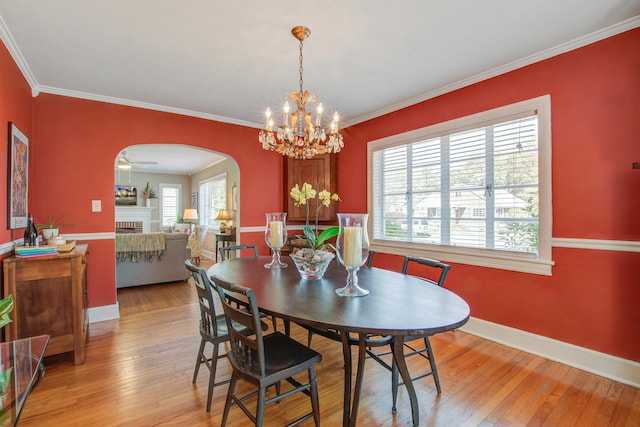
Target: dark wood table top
397, 304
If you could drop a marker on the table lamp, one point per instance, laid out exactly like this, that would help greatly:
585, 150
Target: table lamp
189, 215
223, 216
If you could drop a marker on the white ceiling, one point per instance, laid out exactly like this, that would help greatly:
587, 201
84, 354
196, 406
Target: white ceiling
229, 60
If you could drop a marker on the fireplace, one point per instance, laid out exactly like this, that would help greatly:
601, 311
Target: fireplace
124, 227
137, 218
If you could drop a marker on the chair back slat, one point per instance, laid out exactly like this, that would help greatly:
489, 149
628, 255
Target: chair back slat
206, 301
432, 263
244, 325
224, 251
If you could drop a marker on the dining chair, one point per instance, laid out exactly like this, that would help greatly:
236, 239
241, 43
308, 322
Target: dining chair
253, 251
438, 271
372, 342
224, 251
213, 329
263, 360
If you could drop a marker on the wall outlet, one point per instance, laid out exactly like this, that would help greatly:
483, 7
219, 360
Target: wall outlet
96, 206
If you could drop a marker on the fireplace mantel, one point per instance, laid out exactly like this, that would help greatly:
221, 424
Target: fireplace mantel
135, 213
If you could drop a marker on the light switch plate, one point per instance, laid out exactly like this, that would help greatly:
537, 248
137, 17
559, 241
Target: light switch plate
96, 206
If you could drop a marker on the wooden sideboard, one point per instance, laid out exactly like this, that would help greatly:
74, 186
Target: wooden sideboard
50, 297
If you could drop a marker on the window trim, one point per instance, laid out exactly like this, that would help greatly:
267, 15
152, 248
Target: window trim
201, 202
176, 186
506, 260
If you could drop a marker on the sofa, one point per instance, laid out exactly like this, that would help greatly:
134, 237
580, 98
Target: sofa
169, 268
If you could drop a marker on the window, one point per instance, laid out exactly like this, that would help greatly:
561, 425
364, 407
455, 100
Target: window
475, 190
170, 204
213, 198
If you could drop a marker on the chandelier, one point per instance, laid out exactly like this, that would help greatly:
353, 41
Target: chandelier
299, 136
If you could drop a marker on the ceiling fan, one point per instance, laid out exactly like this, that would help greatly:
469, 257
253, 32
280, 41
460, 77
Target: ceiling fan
122, 162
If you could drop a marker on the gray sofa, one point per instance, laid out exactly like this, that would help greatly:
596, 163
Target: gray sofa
169, 268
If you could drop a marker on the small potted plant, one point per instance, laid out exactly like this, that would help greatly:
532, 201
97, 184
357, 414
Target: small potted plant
51, 228
148, 193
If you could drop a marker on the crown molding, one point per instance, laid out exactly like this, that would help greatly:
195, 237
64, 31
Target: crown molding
602, 34
15, 53
36, 89
146, 105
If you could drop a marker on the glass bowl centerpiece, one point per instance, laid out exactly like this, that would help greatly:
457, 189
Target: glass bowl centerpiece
310, 254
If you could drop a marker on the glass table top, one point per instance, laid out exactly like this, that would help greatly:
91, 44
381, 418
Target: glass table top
21, 368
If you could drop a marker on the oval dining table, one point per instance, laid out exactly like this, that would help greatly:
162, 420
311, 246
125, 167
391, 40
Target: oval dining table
398, 305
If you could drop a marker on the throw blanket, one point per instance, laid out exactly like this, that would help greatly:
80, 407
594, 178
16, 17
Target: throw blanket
136, 247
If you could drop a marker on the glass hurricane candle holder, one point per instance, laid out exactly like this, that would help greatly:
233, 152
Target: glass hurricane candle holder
353, 250
275, 235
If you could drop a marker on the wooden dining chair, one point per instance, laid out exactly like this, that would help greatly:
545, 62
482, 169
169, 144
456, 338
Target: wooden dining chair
436, 272
252, 250
374, 342
224, 251
263, 360
213, 329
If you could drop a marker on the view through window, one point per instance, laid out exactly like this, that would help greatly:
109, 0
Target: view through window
469, 184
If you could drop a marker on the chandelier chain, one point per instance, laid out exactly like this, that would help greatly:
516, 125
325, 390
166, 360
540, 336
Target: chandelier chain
300, 69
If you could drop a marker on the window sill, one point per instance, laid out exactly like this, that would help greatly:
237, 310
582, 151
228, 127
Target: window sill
523, 263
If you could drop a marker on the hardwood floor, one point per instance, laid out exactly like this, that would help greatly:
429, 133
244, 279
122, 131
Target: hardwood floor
138, 373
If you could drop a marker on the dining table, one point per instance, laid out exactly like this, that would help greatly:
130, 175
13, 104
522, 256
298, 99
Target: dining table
397, 305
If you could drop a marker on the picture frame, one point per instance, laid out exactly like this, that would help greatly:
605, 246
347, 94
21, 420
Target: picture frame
194, 200
126, 195
18, 178
234, 198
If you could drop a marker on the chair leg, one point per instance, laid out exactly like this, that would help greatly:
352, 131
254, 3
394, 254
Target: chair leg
212, 375
287, 328
395, 374
227, 403
432, 362
199, 360
260, 407
309, 337
315, 404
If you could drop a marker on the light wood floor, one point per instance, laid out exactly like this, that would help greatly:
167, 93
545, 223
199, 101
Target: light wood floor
138, 373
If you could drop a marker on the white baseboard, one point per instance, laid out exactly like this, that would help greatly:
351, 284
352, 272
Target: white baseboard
612, 367
104, 312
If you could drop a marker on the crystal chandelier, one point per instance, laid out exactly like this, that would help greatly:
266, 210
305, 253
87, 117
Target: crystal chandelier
299, 136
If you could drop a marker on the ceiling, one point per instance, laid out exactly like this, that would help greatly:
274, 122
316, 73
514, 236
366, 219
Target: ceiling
228, 61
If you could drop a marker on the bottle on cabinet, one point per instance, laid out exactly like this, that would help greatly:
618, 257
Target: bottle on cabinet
30, 233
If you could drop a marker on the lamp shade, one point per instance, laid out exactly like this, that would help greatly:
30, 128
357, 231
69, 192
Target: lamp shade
223, 215
190, 214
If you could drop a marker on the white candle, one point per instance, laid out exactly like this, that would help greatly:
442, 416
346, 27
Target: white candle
275, 230
352, 246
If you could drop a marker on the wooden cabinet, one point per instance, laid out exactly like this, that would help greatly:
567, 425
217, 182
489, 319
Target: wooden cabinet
50, 297
321, 173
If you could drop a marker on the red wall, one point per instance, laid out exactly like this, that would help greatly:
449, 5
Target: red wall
76, 142
589, 301
15, 106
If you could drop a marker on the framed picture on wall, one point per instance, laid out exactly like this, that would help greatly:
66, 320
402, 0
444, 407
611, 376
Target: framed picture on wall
194, 200
126, 195
18, 178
